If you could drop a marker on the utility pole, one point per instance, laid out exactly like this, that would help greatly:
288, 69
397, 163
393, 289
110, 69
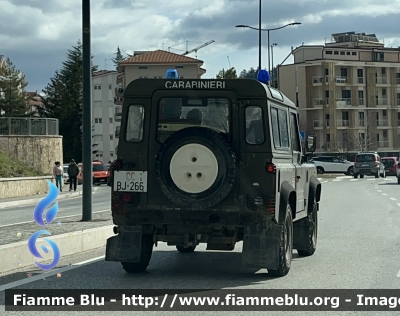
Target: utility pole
259, 37
87, 115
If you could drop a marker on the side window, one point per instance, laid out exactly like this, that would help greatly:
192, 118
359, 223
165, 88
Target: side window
280, 128
254, 125
275, 127
134, 128
295, 132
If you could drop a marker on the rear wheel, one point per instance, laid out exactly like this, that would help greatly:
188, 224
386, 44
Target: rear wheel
320, 170
285, 245
311, 224
146, 252
182, 249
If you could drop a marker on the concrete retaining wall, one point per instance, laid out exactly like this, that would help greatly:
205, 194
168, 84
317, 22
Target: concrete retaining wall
38, 152
19, 187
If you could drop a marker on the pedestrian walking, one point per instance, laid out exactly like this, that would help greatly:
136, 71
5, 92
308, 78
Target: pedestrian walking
73, 171
58, 173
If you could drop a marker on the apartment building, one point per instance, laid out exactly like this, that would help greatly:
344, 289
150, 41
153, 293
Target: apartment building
152, 65
104, 140
347, 92
108, 89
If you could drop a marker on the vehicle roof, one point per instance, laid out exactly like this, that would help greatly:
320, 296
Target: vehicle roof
244, 88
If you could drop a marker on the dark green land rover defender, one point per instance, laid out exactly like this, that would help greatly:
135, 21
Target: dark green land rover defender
214, 162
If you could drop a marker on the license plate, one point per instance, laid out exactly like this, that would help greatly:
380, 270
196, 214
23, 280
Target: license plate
365, 165
387, 170
130, 181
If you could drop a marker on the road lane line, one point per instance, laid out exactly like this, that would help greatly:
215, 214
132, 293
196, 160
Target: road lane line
398, 204
398, 274
50, 273
337, 180
371, 179
354, 179
56, 218
384, 194
379, 190
393, 199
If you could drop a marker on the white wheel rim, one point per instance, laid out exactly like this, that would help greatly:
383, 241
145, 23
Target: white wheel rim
193, 168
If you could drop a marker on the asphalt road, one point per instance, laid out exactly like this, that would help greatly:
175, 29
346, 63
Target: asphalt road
66, 207
358, 248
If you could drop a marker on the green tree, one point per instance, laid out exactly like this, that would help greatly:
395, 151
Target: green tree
248, 74
118, 58
13, 99
63, 100
228, 74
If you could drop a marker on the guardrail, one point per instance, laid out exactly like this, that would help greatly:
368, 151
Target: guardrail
28, 126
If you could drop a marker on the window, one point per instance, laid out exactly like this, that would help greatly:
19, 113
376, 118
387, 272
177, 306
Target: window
99, 166
117, 129
134, 128
254, 125
142, 67
295, 134
385, 133
348, 53
383, 71
97, 87
110, 86
354, 53
326, 72
379, 56
100, 120
176, 113
336, 53
384, 113
326, 93
343, 72
328, 52
110, 119
97, 120
328, 138
383, 92
279, 128
111, 154
342, 53
377, 137
111, 136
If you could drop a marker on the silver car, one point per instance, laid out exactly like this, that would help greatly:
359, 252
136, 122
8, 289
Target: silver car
369, 164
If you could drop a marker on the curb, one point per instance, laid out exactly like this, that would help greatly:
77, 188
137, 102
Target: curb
36, 200
17, 255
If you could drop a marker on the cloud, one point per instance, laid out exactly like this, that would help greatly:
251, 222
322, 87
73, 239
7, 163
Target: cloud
36, 34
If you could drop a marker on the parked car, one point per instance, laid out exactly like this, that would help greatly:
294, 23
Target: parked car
369, 164
391, 165
99, 173
326, 164
65, 174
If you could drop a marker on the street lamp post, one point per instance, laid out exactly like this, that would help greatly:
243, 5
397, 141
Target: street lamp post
272, 62
268, 30
259, 37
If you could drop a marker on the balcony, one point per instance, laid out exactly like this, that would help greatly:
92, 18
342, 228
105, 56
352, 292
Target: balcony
360, 80
382, 123
381, 101
343, 102
118, 100
381, 80
383, 144
342, 123
317, 79
341, 79
118, 114
360, 101
119, 92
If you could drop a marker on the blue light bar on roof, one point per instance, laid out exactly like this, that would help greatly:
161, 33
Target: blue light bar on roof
263, 76
172, 74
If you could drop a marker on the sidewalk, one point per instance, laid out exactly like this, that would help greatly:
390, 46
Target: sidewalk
70, 235
36, 198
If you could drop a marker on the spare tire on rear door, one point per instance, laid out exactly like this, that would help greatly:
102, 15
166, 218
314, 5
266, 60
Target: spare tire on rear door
196, 168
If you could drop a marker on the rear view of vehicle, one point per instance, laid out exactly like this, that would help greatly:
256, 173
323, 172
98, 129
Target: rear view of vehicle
368, 164
391, 165
100, 173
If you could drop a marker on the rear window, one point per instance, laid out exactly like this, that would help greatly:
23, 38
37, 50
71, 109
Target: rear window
175, 114
388, 162
99, 167
365, 158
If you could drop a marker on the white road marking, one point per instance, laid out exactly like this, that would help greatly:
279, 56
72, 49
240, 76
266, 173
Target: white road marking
398, 274
354, 179
393, 199
379, 190
337, 180
50, 273
55, 218
384, 194
398, 204
371, 179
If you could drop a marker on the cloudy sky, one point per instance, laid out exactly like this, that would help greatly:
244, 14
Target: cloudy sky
36, 34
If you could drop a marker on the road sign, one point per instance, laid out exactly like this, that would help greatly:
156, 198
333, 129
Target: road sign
303, 136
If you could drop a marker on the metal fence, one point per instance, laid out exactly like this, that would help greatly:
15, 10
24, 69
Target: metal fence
28, 126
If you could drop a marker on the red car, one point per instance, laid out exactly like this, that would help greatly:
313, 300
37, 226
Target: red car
391, 165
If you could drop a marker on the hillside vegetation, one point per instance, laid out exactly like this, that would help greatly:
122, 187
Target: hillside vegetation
11, 168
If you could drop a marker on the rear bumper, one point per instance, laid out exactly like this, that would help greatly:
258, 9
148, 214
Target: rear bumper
100, 180
358, 170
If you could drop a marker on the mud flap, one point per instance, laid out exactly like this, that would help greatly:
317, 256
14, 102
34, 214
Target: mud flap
261, 246
126, 246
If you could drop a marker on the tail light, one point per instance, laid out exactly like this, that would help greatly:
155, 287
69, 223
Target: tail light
271, 206
270, 167
127, 198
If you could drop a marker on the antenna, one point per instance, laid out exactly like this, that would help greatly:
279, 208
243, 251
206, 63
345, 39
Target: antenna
229, 62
